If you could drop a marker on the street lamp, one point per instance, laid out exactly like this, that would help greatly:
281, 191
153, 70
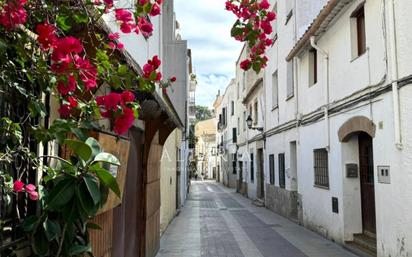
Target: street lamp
249, 123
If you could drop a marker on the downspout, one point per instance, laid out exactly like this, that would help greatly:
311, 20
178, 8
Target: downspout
394, 75
326, 107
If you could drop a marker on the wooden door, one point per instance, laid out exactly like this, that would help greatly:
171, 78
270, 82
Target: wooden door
367, 183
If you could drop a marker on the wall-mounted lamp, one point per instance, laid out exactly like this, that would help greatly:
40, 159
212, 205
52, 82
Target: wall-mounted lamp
249, 123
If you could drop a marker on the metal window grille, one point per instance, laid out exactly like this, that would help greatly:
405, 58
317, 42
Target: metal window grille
321, 167
234, 164
252, 168
282, 170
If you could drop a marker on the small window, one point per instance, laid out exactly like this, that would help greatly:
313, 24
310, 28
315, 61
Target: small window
224, 116
321, 167
290, 89
255, 119
272, 169
275, 89
313, 67
281, 170
358, 32
244, 120
252, 168
232, 106
234, 135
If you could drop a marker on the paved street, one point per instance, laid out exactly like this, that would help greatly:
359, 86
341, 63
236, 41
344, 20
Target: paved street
217, 222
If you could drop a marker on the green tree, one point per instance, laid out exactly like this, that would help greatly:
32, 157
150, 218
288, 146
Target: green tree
203, 113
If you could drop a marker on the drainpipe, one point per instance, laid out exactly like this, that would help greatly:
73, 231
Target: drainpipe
394, 75
326, 107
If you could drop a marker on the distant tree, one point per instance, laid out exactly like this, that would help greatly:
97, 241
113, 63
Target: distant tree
203, 113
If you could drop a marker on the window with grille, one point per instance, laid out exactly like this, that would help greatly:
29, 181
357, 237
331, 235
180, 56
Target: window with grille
234, 135
272, 169
321, 167
281, 170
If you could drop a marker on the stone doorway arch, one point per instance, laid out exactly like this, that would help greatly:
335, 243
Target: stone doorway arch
356, 125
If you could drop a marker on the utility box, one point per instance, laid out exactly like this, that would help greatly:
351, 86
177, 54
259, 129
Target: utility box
384, 176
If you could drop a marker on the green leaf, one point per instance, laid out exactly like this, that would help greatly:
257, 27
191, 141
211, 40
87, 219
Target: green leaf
79, 249
107, 158
93, 188
122, 69
30, 223
61, 194
40, 243
107, 180
81, 18
63, 22
85, 201
51, 229
96, 149
83, 150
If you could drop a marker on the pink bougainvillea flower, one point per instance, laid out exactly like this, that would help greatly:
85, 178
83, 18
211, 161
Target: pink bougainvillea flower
34, 196
47, 36
72, 101
18, 186
123, 15
87, 72
155, 10
124, 121
114, 36
65, 88
173, 79
111, 101
145, 27
120, 46
112, 45
127, 97
245, 65
264, 4
271, 16
13, 14
30, 188
65, 111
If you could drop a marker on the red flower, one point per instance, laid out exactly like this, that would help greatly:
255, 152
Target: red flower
111, 101
114, 36
13, 14
271, 16
145, 27
34, 196
65, 111
147, 70
47, 36
173, 79
155, 62
155, 10
87, 72
124, 121
245, 65
264, 4
127, 97
123, 15
120, 46
18, 186
72, 101
65, 88
30, 188
267, 28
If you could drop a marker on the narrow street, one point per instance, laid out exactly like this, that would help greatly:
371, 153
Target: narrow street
217, 222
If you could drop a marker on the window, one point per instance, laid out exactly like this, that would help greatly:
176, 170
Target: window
358, 32
252, 168
234, 135
290, 90
232, 106
282, 170
234, 161
224, 116
275, 89
272, 169
313, 67
321, 167
255, 120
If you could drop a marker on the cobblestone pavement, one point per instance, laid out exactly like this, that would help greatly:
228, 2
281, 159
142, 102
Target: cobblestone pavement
217, 222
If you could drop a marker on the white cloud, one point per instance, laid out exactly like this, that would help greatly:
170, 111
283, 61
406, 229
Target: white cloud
206, 25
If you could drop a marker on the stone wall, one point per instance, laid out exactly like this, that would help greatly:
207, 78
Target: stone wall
282, 201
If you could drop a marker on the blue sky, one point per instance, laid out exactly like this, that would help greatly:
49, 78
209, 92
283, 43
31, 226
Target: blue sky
206, 25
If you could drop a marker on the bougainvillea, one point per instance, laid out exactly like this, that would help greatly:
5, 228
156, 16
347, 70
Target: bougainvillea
58, 49
253, 26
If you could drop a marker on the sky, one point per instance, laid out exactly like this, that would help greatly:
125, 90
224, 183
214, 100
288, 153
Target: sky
206, 26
